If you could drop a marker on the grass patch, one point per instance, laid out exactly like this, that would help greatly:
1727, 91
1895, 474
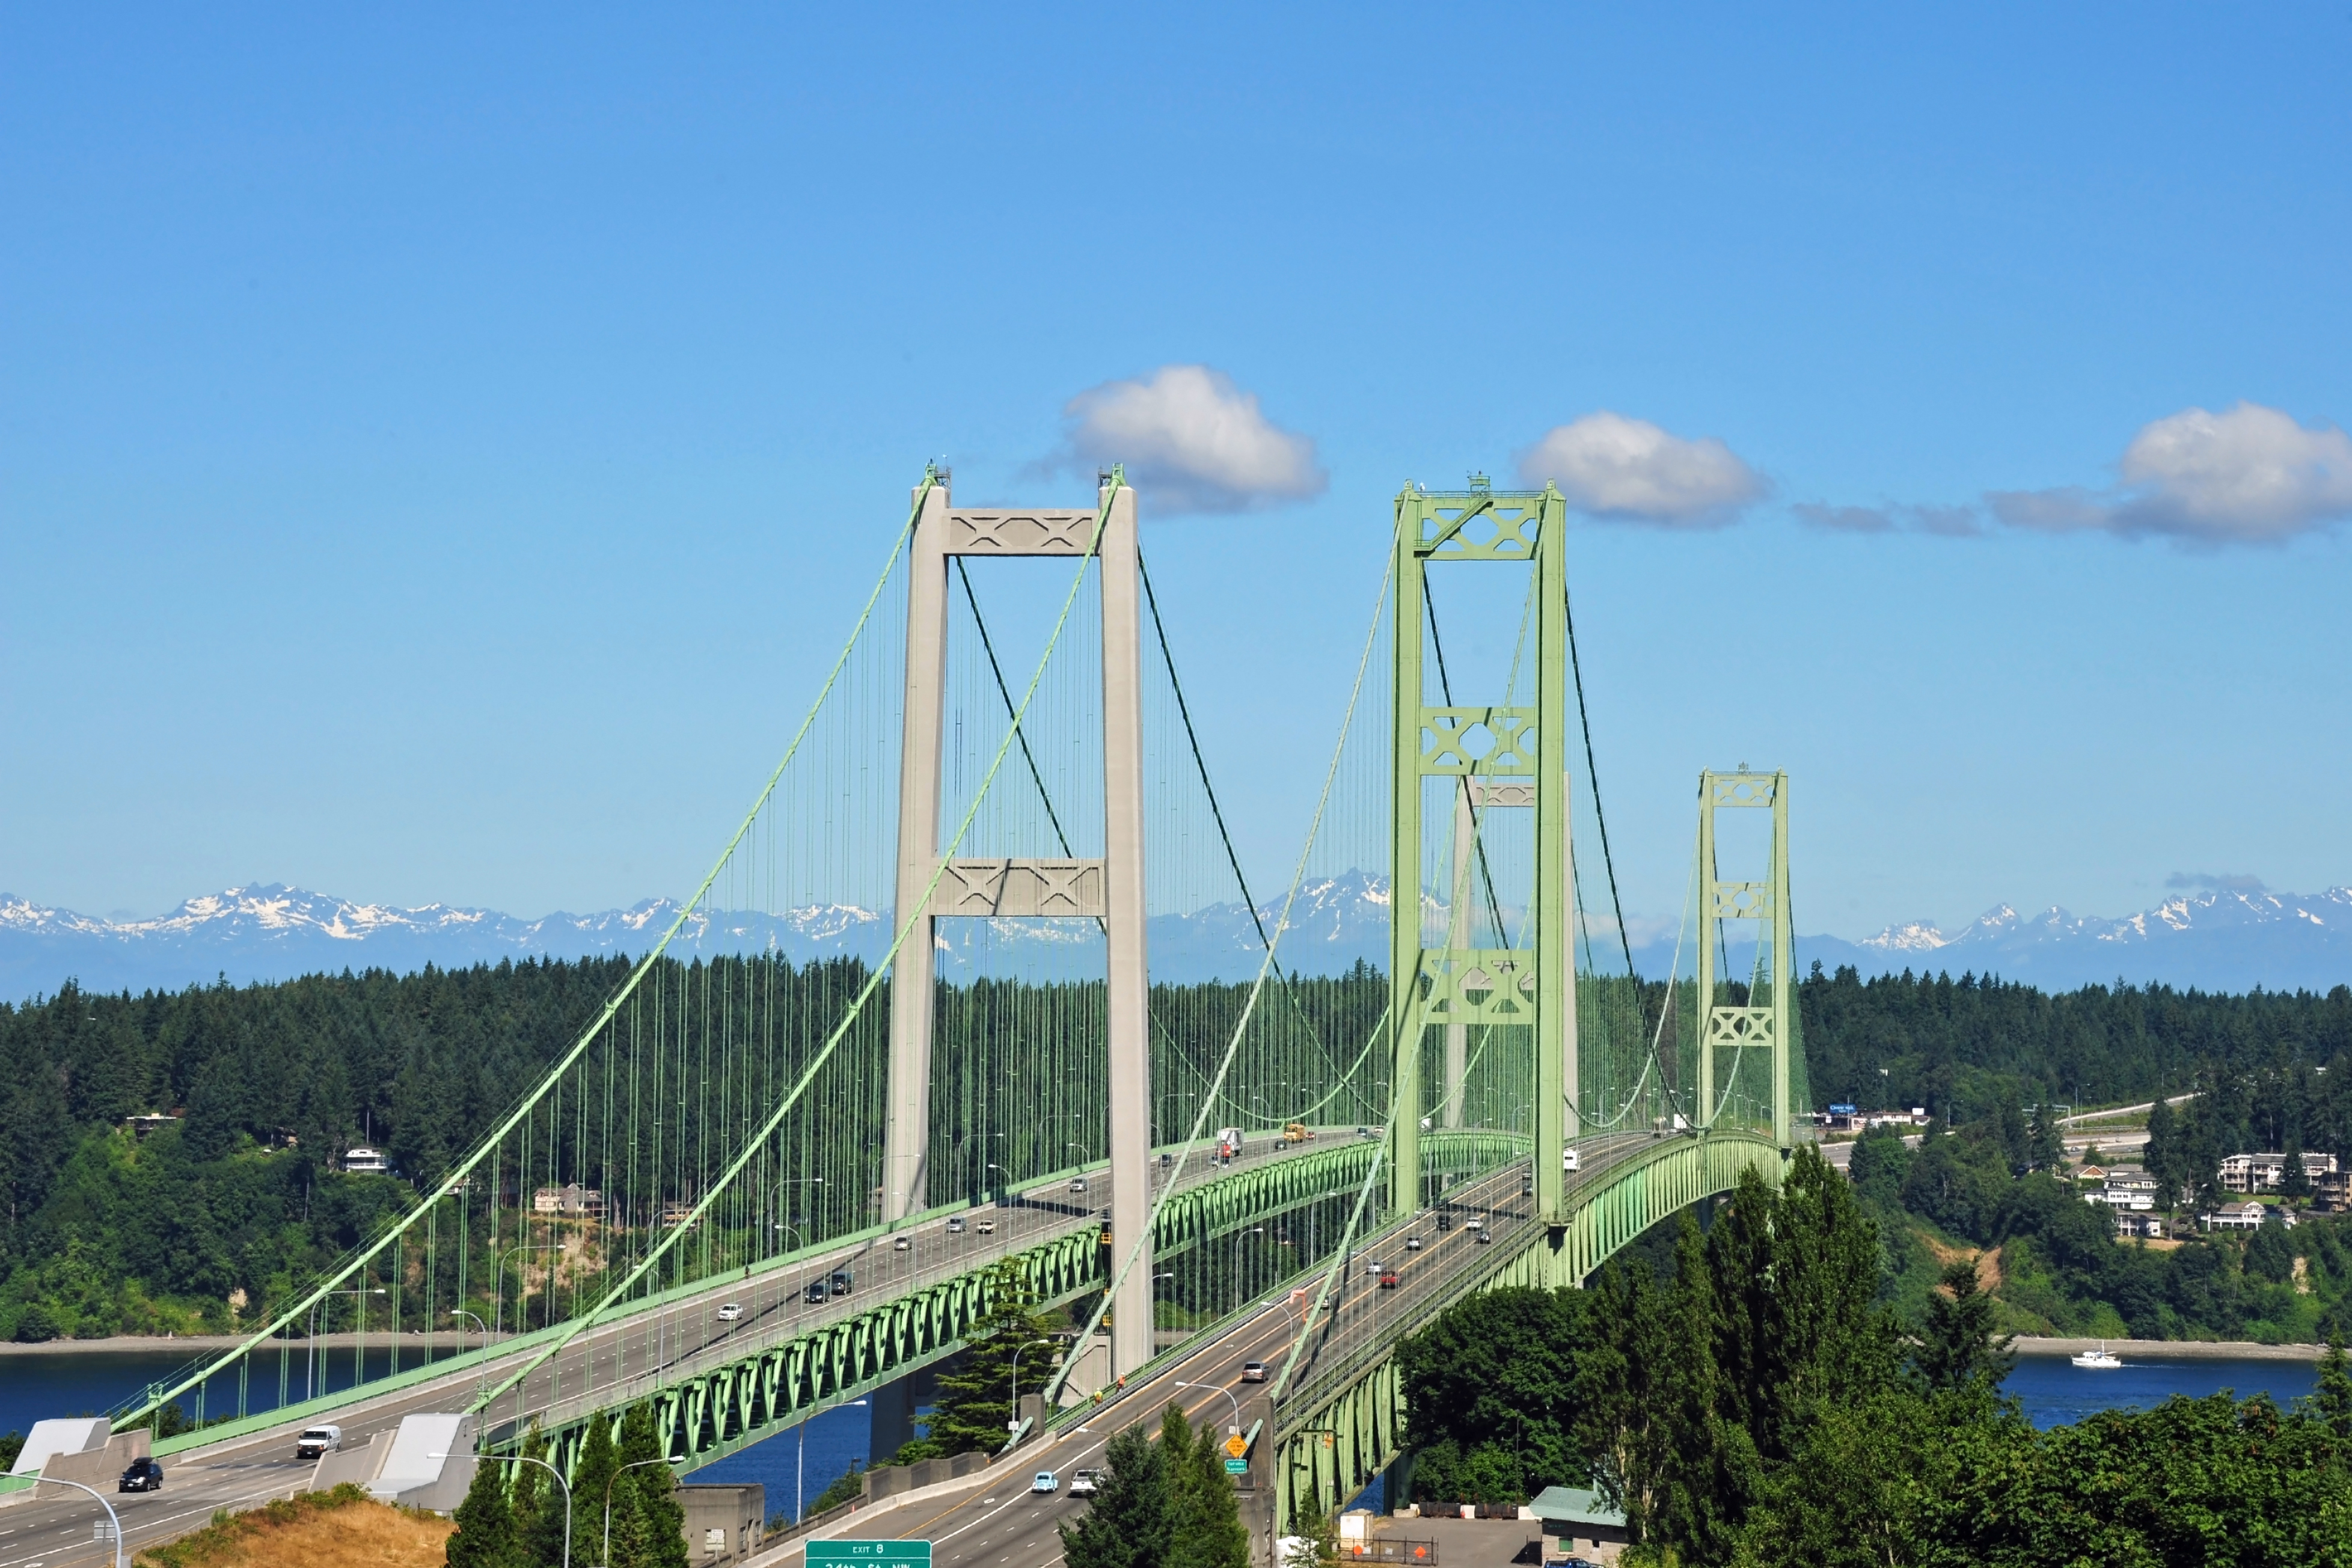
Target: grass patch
345, 1526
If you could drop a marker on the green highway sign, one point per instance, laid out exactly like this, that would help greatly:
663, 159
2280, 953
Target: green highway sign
844, 1553
1237, 1466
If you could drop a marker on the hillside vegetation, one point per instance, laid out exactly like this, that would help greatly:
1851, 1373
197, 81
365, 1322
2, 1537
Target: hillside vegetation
207, 1224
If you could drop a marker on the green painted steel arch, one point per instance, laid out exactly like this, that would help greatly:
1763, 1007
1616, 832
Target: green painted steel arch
1339, 1441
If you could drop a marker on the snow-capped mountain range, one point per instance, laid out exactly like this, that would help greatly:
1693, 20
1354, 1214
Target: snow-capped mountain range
269, 932
2217, 939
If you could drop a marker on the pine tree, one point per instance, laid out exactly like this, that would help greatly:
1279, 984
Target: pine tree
1959, 1346
1126, 1525
485, 1523
1204, 1527
591, 1487
2332, 1400
632, 1541
539, 1507
2162, 1156
977, 1396
2295, 1182
1706, 1467
1321, 1537
652, 1491
1625, 1427
2046, 1146
2014, 1140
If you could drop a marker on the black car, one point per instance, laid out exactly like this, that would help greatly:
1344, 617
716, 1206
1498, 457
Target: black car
816, 1291
144, 1475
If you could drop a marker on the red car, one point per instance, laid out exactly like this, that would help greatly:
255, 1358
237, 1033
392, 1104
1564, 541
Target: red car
1388, 1278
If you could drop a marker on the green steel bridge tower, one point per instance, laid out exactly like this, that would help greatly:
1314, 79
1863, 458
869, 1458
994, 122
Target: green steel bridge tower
1481, 757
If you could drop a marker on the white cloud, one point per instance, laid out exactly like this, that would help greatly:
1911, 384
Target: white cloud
1190, 441
1630, 469
2250, 476
2241, 882
1952, 521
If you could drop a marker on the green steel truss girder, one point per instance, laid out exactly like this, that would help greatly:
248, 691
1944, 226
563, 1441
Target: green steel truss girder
1333, 1440
1523, 741
1758, 1022
709, 1413
715, 1411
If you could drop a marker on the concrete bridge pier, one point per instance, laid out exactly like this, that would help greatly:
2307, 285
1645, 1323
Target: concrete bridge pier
1396, 1488
892, 1425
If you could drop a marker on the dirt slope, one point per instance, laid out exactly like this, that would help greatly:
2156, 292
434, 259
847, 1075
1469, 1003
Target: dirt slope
345, 1528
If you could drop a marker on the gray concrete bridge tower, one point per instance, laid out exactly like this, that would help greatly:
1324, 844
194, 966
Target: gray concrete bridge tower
1109, 889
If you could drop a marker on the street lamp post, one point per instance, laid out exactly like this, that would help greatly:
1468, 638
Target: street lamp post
634, 1465
1228, 1392
800, 1464
1023, 1345
113, 1519
462, 1312
778, 1199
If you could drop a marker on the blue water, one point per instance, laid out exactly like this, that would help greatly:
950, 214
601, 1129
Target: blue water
35, 1387
2056, 1392
835, 1439
91, 1382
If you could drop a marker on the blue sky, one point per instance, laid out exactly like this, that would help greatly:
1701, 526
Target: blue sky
401, 416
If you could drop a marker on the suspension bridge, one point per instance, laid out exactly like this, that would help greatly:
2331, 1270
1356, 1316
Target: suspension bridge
942, 1023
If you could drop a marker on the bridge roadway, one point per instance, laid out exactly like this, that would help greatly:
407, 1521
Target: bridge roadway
990, 1520
652, 1346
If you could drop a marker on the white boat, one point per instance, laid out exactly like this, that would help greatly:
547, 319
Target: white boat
2100, 1358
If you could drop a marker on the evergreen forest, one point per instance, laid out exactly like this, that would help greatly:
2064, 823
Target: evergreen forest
215, 1218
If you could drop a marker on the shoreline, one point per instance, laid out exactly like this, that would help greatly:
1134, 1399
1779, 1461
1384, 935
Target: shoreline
149, 1344
2171, 1350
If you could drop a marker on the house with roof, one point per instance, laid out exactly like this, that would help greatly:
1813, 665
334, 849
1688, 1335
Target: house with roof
2331, 1191
572, 1200
2247, 1216
1583, 1523
2267, 1173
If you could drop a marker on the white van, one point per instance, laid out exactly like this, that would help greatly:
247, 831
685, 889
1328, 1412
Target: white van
1229, 1142
317, 1440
